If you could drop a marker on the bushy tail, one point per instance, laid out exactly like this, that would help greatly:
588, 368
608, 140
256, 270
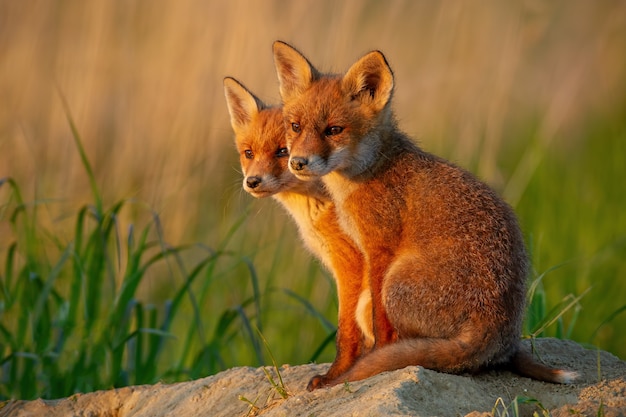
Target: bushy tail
525, 364
446, 355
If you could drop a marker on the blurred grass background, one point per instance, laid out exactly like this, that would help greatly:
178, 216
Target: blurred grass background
529, 95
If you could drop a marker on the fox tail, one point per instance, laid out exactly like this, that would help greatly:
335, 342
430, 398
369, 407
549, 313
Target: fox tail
445, 355
525, 364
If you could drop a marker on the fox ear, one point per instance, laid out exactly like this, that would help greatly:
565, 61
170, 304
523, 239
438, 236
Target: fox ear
242, 104
295, 72
370, 80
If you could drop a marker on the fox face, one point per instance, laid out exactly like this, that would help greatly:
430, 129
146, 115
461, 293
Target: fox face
260, 141
333, 122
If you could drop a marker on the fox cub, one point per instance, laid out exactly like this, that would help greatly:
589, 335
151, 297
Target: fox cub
260, 141
444, 255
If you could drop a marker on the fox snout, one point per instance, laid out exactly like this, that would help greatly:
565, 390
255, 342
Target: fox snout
253, 181
298, 163
308, 167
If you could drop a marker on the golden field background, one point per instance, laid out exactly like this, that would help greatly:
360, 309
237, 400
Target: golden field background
498, 87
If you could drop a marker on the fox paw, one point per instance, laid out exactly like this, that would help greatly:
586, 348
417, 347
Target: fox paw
318, 381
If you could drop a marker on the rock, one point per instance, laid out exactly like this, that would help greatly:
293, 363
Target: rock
413, 391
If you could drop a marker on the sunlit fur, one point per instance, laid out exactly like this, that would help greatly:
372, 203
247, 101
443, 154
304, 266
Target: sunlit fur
445, 257
259, 138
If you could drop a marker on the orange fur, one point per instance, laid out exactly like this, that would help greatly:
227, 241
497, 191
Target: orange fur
444, 255
260, 140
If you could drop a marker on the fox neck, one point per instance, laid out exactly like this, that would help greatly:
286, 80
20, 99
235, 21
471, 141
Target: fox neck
372, 153
314, 190
306, 210
301, 203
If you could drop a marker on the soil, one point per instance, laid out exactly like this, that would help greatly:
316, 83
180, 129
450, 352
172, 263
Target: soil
414, 391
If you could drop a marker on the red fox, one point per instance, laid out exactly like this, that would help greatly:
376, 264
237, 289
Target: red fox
260, 140
444, 255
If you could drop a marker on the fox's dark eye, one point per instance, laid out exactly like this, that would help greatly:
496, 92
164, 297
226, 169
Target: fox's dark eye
248, 153
282, 152
295, 127
333, 130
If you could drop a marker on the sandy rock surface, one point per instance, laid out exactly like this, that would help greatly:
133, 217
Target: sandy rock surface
413, 391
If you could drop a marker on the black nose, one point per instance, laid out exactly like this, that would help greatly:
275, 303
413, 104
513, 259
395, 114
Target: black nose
298, 163
253, 182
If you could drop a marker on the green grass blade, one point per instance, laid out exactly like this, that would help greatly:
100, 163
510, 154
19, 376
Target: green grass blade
329, 339
330, 328
557, 312
7, 280
530, 293
81, 151
45, 292
134, 273
606, 321
248, 329
14, 188
134, 367
254, 279
280, 387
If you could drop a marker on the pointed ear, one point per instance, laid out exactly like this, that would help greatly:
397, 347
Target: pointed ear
295, 72
370, 80
242, 104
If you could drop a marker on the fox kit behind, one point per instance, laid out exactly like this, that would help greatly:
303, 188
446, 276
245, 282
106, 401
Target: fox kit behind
444, 255
260, 141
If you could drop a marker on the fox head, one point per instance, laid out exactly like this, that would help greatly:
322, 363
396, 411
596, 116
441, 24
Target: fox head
333, 122
260, 141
